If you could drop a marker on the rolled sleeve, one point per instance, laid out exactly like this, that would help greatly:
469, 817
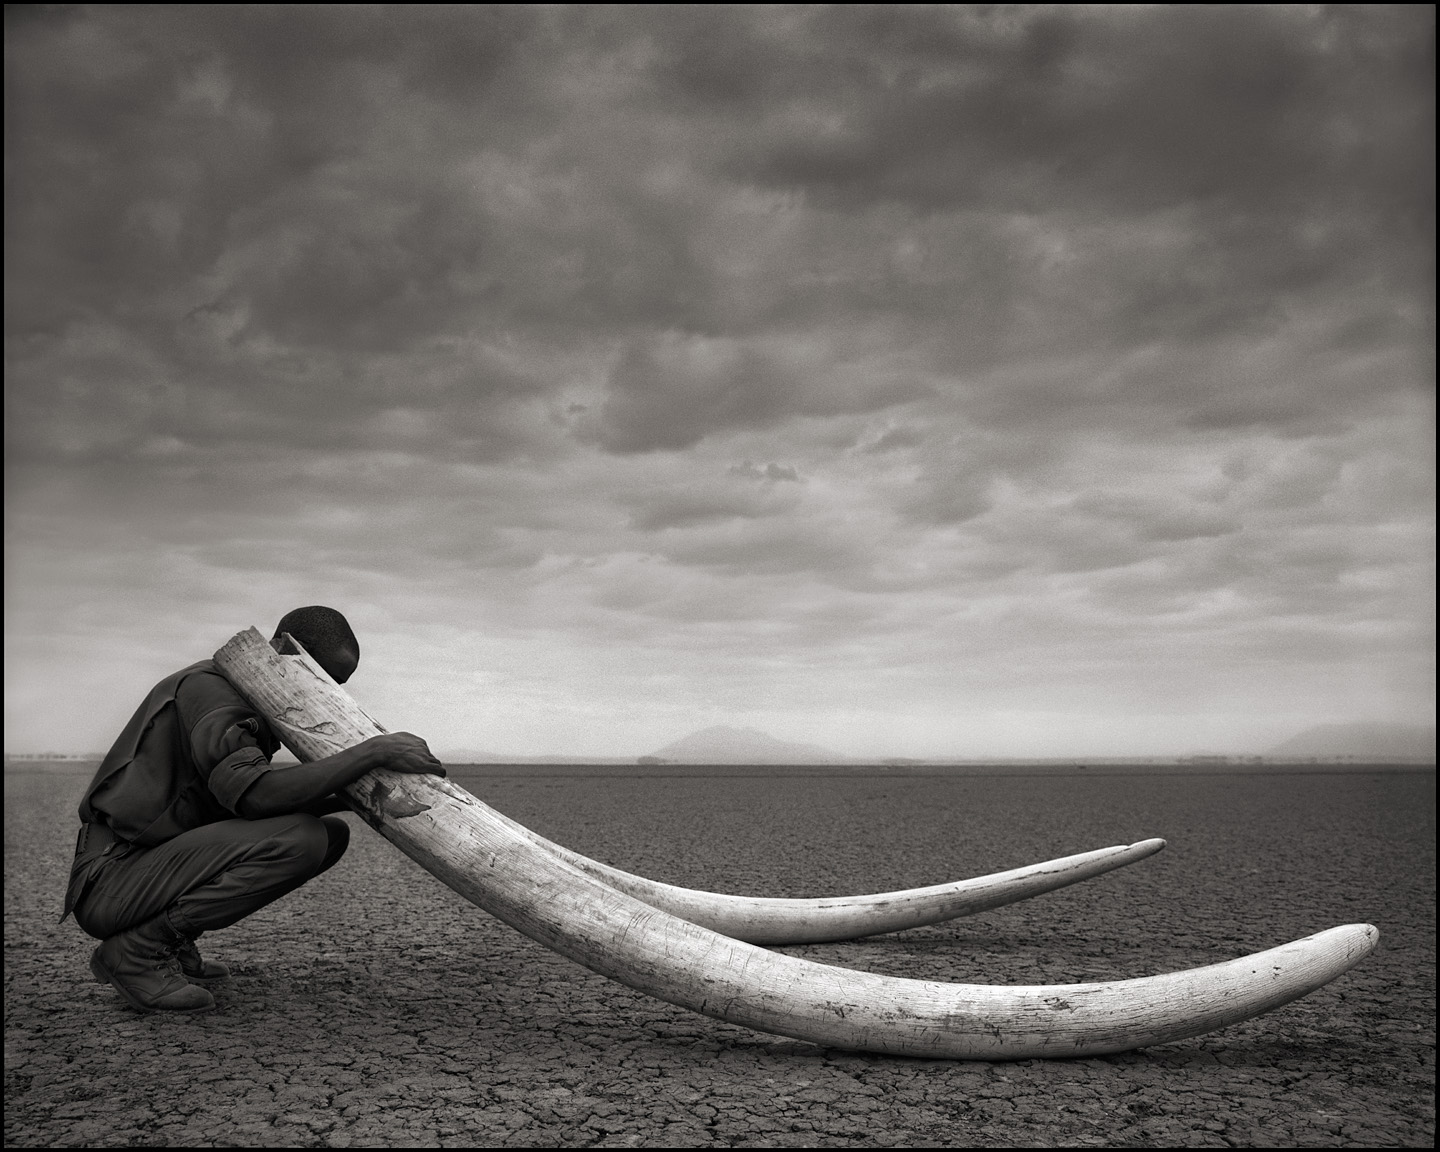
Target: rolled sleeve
230, 778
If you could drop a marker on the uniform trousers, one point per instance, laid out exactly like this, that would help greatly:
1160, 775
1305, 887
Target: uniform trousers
211, 876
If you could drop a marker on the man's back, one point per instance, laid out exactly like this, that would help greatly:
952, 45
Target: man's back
184, 759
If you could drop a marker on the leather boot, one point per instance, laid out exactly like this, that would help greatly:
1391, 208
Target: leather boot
195, 967
142, 965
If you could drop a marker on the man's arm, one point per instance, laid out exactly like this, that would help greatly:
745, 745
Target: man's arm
326, 805
281, 791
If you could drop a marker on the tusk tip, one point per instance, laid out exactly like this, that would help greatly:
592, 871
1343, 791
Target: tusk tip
1150, 847
1356, 941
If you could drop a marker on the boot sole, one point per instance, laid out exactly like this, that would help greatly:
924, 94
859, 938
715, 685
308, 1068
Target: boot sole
102, 974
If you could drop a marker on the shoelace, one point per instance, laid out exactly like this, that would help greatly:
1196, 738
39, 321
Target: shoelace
167, 960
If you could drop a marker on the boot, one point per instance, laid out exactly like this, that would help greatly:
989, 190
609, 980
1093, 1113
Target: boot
142, 965
194, 967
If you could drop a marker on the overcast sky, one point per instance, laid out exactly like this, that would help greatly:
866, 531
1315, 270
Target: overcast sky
913, 382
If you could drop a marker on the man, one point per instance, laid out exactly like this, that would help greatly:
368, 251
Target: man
187, 827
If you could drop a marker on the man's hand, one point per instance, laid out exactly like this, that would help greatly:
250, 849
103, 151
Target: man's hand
404, 752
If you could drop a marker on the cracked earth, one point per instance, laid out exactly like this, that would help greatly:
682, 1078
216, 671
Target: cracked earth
375, 1008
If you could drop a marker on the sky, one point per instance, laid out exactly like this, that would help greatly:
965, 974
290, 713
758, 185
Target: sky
966, 381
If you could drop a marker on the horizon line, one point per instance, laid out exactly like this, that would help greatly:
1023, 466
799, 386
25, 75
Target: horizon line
463, 756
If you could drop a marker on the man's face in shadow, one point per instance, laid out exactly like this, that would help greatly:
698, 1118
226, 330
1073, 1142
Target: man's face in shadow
340, 665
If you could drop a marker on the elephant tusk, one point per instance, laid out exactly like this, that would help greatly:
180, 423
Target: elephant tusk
777, 920
477, 852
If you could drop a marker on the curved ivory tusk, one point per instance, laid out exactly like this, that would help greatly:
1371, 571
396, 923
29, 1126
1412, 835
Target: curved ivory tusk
613, 934
777, 920
472, 849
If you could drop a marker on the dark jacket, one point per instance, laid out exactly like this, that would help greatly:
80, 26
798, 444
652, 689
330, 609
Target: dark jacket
185, 759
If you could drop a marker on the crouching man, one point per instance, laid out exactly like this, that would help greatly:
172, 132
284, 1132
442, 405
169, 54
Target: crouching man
187, 827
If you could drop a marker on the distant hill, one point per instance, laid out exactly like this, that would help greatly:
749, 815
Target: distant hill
1379, 740
61, 756
724, 745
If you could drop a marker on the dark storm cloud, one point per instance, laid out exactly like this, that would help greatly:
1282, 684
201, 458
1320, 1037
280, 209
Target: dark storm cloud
671, 391
618, 343
270, 197
220, 228
1134, 108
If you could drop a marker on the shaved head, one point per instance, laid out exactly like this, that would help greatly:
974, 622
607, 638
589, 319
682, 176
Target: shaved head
327, 636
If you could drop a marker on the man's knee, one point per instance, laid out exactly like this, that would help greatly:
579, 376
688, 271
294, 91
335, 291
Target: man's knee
301, 841
337, 834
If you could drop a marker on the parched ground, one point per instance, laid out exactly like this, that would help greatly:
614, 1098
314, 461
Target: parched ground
376, 1008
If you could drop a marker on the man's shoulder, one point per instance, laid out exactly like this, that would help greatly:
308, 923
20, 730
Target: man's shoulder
202, 687
168, 688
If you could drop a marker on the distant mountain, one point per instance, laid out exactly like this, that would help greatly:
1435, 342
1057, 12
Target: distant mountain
724, 745
1378, 740
58, 756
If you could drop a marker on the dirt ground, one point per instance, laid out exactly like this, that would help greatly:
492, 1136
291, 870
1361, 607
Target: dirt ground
375, 1008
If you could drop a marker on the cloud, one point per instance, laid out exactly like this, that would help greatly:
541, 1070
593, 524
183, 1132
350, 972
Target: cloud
670, 390
1145, 108
1158, 517
278, 218
695, 504
950, 365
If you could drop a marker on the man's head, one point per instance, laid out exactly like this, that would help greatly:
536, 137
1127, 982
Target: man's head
327, 636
